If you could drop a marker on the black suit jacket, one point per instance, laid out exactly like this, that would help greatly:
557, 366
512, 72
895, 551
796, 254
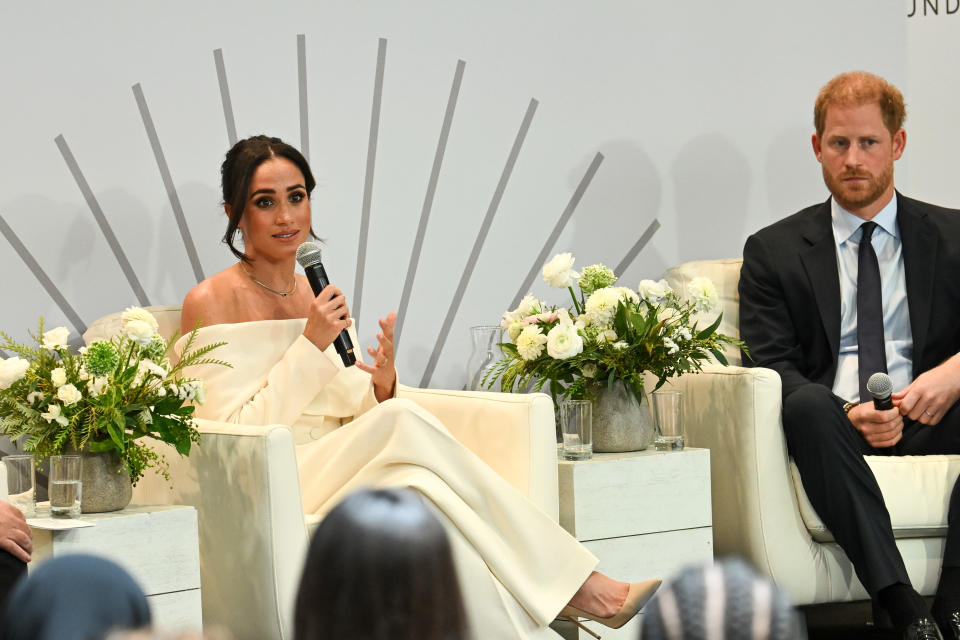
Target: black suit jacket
790, 292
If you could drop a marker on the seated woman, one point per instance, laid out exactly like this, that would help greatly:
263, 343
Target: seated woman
518, 569
380, 567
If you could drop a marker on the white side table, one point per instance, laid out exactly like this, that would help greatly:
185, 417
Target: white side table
157, 544
644, 514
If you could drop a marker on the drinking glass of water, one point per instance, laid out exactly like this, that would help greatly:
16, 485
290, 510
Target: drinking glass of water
21, 482
576, 425
668, 409
65, 486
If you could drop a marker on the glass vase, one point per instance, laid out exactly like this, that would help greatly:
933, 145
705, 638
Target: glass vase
484, 355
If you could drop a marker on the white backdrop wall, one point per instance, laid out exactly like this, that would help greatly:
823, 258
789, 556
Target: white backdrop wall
701, 110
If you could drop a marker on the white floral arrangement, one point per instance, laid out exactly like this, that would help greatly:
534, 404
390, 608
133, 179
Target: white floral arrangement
611, 333
105, 397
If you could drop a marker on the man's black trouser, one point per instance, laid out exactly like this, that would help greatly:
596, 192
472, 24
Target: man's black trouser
829, 454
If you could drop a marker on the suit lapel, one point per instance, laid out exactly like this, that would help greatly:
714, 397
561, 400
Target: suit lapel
820, 262
920, 245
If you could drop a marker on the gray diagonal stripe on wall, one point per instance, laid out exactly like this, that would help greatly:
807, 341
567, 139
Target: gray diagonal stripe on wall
168, 182
428, 201
302, 86
368, 176
478, 243
42, 276
637, 247
558, 228
225, 96
101, 219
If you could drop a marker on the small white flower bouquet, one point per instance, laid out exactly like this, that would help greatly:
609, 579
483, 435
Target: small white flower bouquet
106, 397
611, 333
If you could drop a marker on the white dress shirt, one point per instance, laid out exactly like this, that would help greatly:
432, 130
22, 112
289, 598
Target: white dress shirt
896, 315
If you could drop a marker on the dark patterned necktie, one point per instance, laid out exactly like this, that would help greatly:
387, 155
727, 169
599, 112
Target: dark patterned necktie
871, 348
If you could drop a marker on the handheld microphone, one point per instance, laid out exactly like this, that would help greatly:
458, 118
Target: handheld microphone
879, 385
308, 255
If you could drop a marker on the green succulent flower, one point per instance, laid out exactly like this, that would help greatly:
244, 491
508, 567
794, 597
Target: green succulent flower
154, 349
101, 358
596, 276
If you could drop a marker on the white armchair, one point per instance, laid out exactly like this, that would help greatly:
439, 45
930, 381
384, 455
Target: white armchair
760, 510
243, 482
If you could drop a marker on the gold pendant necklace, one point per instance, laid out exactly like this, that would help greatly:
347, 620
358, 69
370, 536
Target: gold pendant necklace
282, 294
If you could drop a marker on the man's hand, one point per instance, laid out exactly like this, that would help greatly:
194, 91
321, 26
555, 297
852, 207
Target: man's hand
879, 428
15, 535
931, 394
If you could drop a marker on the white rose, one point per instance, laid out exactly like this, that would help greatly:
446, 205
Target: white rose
559, 271
703, 293
589, 370
68, 395
56, 338
53, 413
140, 332
11, 370
563, 341
139, 314
530, 342
58, 377
653, 291
610, 335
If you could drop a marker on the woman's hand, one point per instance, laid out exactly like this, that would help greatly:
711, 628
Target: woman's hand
327, 317
383, 373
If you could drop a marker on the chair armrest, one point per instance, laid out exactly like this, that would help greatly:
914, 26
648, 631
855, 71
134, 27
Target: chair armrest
514, 433
244, 484
736, 413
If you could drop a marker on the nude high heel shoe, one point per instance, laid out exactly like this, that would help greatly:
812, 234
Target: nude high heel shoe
639, 594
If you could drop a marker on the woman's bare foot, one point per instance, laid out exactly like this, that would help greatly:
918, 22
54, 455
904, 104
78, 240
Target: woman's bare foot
600, 595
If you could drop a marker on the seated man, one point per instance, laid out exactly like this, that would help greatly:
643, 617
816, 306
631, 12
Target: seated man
16, 545
826, 311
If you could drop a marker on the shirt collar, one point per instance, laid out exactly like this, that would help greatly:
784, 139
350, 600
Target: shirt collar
845, 224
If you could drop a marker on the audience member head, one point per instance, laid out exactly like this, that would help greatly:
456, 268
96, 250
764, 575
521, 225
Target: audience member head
726, 601
856, 88
380, 566
237, 171
74, 597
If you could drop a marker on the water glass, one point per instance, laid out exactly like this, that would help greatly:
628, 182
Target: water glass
65, 485
576, 427
668, 411
21, 483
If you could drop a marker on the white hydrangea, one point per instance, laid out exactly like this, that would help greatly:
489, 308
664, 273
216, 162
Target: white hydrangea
68, 395
530, 342
652, 291
620, 345
703, 293
97, 385
684, 333
194, 390
11, 370
33, 396
58, 376
55, 338
559, 271
670, 345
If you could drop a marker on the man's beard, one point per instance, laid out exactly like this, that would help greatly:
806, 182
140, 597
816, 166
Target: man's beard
853, 198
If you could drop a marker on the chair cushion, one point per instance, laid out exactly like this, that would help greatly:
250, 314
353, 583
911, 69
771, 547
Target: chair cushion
916, 489
725, 275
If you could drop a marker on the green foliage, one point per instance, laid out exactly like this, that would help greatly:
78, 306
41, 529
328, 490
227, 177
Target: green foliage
126, 391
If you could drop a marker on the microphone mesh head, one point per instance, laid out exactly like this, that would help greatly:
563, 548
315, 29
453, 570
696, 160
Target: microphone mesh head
308, 254
879, 385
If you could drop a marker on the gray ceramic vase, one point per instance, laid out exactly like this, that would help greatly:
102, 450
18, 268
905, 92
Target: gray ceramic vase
619, 423
106, 483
